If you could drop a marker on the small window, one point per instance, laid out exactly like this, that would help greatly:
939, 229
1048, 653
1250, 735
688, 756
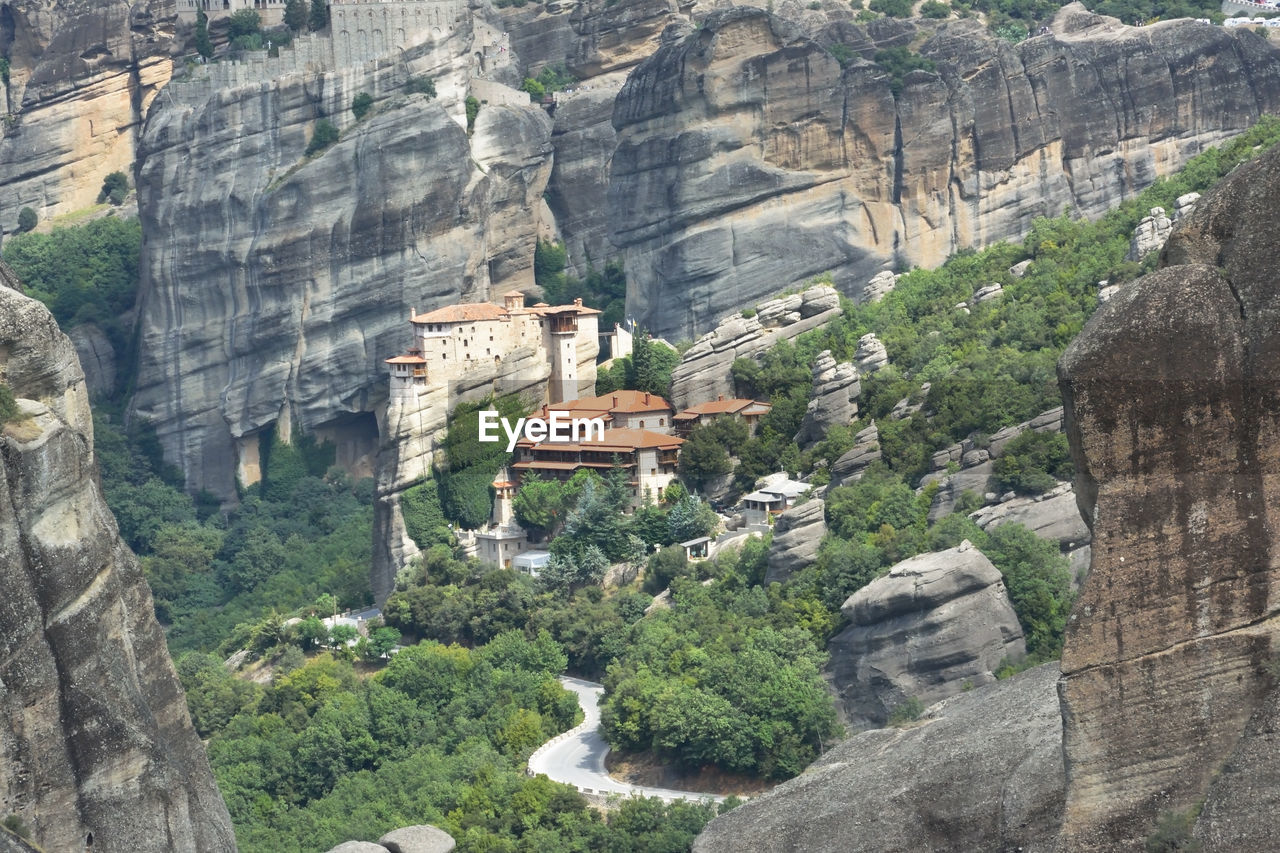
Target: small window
642, 425
653, 471
662, 421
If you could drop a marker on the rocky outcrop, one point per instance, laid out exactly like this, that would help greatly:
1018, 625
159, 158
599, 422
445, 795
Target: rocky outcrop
796, 538
1184, 206
871, 354
1175, 447
1149, 234
748, 159
981, 771
880, 285
409, 839
866, 450
81, 77
97, 357
273, 285
703, 371
833, 400
96, 746
935, 625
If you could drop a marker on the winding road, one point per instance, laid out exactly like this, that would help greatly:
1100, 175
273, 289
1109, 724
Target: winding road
576, 757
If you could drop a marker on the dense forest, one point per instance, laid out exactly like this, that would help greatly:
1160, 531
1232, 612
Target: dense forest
332, 740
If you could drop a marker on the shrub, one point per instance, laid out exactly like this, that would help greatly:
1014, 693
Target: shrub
421, 86
8, 405
473, 110
114, 188
1173, 833
535, 89
361, 104
27, 219
203, 44
842, 54
295, 15
324, 135
934, 9
899, 62
908, 712
892, 8
319, 17
1033, 463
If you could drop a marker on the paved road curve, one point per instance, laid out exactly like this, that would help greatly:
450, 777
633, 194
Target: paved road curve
577, 756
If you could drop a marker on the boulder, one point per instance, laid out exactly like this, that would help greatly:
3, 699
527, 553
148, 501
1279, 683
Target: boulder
1053, 515
875, 289
871, 354
935, 625
796, 538
987, 292
866, 449
952, 486
1150, 234
1184, 206
418, 839
980, 771
833, 400
358, 847
1019, 269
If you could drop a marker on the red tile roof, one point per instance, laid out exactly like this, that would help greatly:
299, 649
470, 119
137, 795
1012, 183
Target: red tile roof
407, 359
619, 401
469, 312
719, 407
614, 441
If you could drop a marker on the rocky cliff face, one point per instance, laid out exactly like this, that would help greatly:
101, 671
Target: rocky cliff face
749, 160
96, 746
1166, 692
274, 285
81, 78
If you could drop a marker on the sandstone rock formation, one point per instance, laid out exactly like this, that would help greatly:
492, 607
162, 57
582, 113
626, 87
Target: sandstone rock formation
833, 400
81, 78
97, 358
935, 625
1149, 234
1175, 450
96, 746
987, 292
874, 290
871, 354
1184, 206
748, 159
865, 450
274, 285
981, 771
796, 538
703, 371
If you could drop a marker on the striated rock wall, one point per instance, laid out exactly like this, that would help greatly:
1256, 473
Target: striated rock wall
1165, 668
273, 286
749, 160
96, 746
81, 78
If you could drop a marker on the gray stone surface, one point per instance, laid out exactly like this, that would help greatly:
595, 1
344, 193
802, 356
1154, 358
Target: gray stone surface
981, 771
796, 538
1053, 516
94, 731
833, 400
749, 160
1184, 206
703, 371
418, 839
866, 450
952, 486
358, 847
871, 354
936, 625
877, 288
97, 358
987, 292
1150, 234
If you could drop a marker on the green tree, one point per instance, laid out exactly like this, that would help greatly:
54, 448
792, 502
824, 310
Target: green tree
27, 220
1033, 463
535, 89
244, 22
203, 44
892, 8
361, 104
319, 17
473, 109
421, 86
114, 188
295, 15
324, 135
934, 9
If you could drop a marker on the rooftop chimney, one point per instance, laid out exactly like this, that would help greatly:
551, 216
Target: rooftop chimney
646, 398
719, 398
578, 301
615, 401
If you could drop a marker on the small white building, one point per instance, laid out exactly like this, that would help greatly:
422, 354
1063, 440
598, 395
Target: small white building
778, 494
